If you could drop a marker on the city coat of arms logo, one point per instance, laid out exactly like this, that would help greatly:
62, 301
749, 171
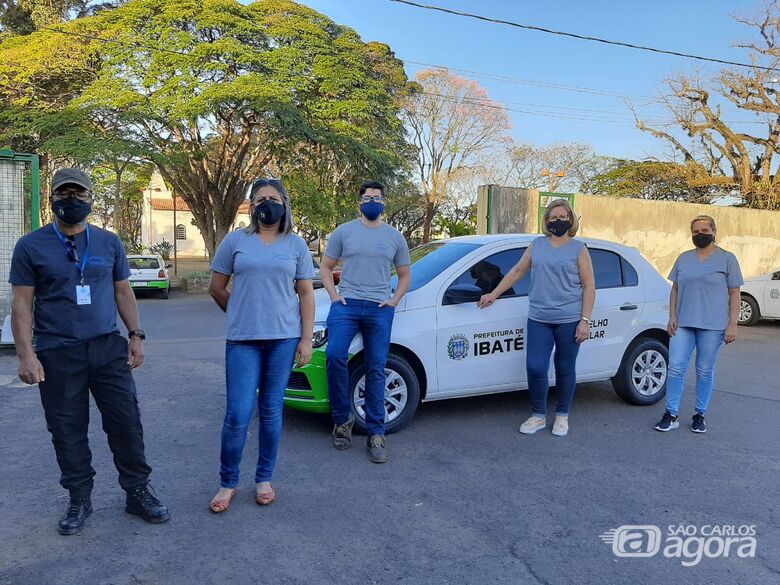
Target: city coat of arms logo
458, 347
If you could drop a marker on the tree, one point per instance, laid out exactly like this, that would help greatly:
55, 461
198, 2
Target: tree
119, 204
23, 17
453, 126
525, 163
715, 153
666, 181
215, 93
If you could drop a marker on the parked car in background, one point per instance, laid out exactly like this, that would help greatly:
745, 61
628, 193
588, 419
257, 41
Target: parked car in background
444, 346
317, 280
760, 298
149, 272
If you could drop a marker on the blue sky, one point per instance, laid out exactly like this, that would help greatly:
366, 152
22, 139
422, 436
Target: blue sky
696, 26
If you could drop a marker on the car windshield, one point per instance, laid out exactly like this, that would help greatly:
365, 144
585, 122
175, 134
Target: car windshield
429, 260
143, 263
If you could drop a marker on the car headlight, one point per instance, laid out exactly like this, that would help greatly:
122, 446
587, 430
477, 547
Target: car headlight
320, 336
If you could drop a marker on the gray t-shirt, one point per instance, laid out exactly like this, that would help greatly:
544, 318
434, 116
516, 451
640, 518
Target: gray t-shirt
555, 294
263, 303
368, 254
703, 288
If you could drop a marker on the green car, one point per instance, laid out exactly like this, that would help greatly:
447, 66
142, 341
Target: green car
308, 386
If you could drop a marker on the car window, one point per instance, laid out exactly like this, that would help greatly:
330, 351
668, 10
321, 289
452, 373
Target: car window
488, 272
143, 263
612, 270
429, 260
630, 277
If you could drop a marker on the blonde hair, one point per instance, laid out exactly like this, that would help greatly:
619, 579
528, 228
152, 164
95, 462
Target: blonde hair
706, 218
575, 222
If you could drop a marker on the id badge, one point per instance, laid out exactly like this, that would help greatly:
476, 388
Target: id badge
83, 295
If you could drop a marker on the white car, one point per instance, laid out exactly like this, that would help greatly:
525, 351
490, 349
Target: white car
760, 298
444, 346
149, 272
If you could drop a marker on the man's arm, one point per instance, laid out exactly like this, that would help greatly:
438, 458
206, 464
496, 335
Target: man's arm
404, 279
30, 369
326, 274
128, 311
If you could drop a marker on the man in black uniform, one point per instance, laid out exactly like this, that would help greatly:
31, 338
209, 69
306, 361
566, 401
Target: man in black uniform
76, 276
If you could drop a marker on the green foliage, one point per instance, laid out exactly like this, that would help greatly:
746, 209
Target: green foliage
14, 19
465, 226
131, 246
214, 93
199, 276
649, 180
163, 248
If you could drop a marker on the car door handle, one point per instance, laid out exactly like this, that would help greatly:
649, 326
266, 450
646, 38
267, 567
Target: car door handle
628, 307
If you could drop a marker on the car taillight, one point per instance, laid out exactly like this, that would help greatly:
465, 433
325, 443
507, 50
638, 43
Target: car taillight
161, 274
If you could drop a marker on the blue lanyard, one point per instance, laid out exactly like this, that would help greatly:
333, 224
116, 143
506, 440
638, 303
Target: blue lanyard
83, 265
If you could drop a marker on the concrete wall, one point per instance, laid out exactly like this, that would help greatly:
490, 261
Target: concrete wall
661, 230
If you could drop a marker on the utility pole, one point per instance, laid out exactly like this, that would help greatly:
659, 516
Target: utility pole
175, 239
553, 176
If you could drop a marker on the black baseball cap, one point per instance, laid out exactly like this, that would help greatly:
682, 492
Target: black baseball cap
71, 177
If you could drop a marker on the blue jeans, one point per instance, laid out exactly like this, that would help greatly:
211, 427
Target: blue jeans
256, 372
375, 324
540, 341
708, 344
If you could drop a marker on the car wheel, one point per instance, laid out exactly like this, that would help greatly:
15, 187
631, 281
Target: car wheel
642, 376
749, 312
165, 293
402, 393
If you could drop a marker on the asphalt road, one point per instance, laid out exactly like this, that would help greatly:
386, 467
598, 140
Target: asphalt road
465, 499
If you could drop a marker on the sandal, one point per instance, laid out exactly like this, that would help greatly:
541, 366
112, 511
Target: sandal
221, 505
265, 498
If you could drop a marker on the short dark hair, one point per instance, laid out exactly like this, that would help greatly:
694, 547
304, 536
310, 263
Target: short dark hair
372, 185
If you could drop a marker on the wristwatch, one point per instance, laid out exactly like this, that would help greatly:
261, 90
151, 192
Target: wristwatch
139, 333
585, 319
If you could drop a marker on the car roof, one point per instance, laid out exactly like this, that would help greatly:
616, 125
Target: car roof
524, 238
156, 256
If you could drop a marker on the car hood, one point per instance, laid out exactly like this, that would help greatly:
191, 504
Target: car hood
322, 305
762, 277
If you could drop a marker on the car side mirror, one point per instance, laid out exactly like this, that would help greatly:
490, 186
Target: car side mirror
776, 275
458, 294
169, 265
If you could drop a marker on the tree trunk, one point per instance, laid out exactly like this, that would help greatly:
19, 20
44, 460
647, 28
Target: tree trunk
119, 227
430, 212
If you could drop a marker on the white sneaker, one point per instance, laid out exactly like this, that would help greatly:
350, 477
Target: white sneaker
532, 424
561, 426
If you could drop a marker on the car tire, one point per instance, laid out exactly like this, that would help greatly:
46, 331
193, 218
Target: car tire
643, 373
398, 372
749, 313
165, 293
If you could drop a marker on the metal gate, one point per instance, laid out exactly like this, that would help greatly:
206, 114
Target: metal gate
545, 198
20, 213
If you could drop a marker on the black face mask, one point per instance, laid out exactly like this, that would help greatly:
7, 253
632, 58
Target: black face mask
559, 227
71, 210
703, 240
268, 212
